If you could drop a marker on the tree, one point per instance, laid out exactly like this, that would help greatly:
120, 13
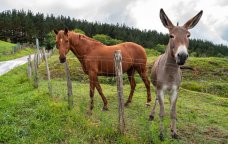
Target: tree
49, 40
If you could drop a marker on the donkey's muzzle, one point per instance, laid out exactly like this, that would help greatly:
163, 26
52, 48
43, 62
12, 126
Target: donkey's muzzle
62, 59
182, 58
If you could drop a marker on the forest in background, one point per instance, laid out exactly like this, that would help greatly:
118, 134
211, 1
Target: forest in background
24, 26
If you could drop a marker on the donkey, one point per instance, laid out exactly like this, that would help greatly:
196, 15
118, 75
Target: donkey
166, 73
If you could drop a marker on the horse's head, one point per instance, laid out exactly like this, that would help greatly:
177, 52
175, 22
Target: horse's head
179, 36
62, 43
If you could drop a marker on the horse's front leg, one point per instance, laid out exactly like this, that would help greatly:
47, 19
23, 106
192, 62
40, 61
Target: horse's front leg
173, 100
92, 88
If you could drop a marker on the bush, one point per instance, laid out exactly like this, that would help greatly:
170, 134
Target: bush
105, 39
160, 48
79, 31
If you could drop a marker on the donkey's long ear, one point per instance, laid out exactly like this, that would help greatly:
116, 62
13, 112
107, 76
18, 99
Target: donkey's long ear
55, 31
165, 20
193, 21
65, 31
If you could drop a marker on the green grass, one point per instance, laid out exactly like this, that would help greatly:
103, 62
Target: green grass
6, 47
6, 51
29, 115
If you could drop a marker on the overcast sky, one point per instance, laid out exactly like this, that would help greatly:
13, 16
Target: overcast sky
142, 14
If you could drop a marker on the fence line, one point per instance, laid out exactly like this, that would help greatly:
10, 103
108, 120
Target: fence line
48, 72
119, 79
69, 86
29, 68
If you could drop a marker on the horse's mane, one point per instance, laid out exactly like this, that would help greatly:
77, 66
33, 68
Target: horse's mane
88, 38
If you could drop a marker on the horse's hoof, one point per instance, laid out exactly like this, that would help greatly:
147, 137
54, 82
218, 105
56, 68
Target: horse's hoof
104, 109
147, 104
161, 137
174, 136
151, 118
126, 104
89, 113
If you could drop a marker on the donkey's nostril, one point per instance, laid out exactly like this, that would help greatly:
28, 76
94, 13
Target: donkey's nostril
178, 55
187, 55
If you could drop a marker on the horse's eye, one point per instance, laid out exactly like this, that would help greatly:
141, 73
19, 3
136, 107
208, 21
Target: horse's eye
67, 41
188, 35
171, 36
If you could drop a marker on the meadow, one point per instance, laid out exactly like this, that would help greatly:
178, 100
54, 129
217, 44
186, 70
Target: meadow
6, 51
29, 115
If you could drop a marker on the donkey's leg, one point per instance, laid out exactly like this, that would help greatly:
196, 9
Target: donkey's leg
131, 79
154, 107
143, 74
98, 87
160, 96
173, 100
92, 77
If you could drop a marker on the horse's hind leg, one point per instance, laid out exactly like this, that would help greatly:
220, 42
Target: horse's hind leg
143, 74
131, 79
98, 87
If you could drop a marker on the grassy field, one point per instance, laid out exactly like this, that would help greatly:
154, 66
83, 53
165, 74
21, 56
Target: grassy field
6, 51
29, 115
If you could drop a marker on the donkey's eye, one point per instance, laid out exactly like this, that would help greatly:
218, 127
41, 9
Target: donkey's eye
188, 35
67, 41
171, 36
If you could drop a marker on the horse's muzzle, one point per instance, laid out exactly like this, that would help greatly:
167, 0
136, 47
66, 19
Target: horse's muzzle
62, 59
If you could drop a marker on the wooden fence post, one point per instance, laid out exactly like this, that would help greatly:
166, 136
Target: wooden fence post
48, 72
69, 86
38, 50
35, 71
119, 79
29, 67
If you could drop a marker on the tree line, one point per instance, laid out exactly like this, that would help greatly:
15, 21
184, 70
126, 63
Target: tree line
25, 26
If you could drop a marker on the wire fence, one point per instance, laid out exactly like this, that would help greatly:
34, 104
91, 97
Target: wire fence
69, 82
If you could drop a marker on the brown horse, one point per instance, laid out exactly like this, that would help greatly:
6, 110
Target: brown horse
97, 59
166, 73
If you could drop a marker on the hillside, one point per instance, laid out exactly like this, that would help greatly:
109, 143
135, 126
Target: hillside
24, 26
6, 51
29, 115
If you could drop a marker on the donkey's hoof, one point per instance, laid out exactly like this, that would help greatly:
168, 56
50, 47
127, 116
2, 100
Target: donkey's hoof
161, 137
175, 136
104, 109
151, 118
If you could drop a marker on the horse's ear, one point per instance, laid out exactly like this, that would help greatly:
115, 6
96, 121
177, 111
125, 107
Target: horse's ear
65, 31
193, 21
165, 20
55, 31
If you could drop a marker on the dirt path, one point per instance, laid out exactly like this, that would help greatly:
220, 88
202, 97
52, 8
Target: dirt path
6, 66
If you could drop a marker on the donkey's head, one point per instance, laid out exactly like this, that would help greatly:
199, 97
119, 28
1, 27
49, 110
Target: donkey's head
62, 43
179, 36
